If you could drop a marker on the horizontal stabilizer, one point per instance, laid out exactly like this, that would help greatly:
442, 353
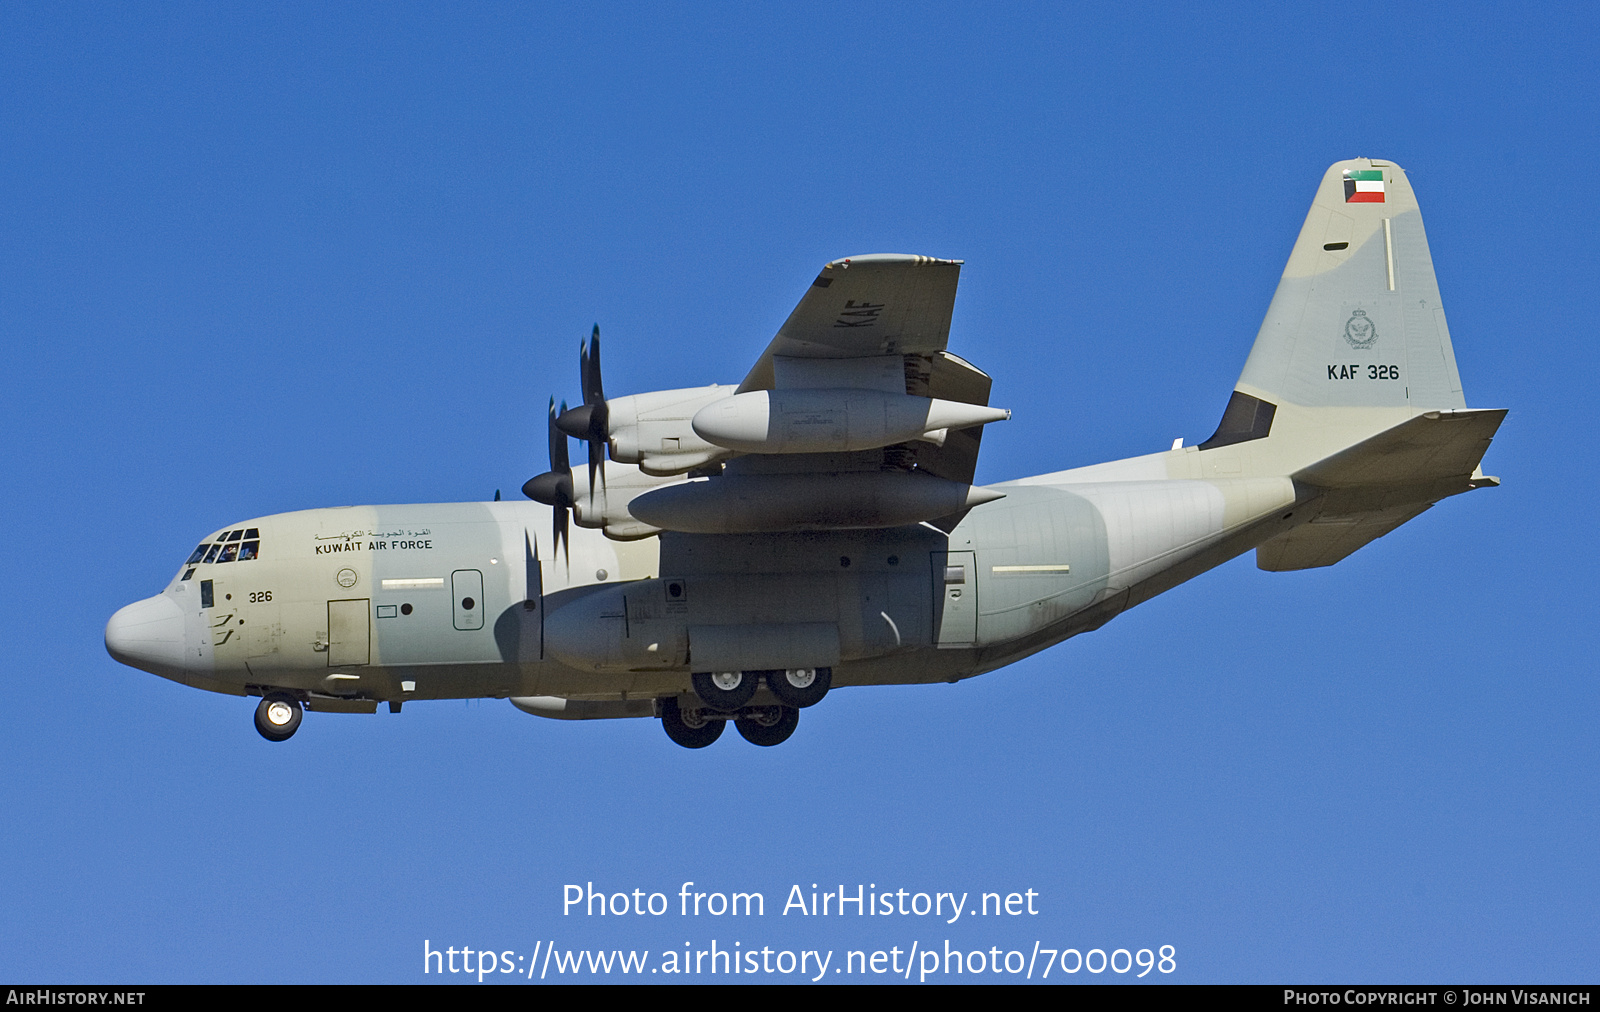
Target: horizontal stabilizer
1324, 542
1427, 448
1371, 488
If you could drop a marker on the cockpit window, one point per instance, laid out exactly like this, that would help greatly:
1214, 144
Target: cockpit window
229, 546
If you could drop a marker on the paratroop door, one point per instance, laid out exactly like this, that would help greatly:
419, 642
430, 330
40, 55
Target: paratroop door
955, 597
349, 632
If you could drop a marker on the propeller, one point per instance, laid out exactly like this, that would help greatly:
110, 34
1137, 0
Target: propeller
554, 487
589, 421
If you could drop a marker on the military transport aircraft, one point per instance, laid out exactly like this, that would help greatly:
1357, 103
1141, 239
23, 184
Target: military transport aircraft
740, 550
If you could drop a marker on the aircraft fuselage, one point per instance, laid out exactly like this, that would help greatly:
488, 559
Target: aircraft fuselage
352, 606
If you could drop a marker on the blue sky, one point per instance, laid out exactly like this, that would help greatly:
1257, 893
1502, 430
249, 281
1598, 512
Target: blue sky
257, 260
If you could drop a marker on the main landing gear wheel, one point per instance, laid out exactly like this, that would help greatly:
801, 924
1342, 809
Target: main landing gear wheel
768, 725
691, 729
278, 716
800, 687
725, 690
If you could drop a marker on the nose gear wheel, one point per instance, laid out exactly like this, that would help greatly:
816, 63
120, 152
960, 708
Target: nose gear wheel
278, 716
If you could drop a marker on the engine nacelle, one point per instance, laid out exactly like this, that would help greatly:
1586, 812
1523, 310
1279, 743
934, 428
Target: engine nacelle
655, 430
832, 420
605, 506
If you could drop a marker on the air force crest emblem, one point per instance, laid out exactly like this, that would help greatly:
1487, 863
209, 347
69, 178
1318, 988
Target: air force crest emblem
1360, 331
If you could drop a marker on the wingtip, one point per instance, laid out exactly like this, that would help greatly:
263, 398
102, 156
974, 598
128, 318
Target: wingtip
886, 258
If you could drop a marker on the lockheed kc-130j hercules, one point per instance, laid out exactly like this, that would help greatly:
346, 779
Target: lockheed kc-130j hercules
740, 550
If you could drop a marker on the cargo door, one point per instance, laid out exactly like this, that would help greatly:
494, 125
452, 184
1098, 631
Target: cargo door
349, 632
466, 586
955, 599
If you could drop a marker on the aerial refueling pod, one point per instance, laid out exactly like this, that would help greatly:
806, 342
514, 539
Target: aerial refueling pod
832, 420
754, 503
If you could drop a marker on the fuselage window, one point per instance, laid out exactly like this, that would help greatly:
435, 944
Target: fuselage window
207, 597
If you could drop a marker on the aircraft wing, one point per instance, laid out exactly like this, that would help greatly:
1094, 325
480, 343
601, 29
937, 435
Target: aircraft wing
855, 416
867, 306
889, 315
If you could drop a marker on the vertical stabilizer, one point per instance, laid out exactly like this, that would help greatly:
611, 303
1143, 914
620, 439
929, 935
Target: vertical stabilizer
1358, 293
1351, 388
1356, 325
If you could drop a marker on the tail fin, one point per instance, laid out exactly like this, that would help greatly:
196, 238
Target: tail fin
1351, 387
1356, 326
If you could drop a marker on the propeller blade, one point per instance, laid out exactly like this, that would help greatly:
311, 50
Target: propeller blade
597, 462
589, 370
558, 439
554, 487
590, 422
559, 463
558, 532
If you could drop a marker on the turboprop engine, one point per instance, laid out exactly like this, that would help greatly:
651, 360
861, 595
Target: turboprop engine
654, 430
832, 420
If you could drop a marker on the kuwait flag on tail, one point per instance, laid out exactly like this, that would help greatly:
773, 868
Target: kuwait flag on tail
1363, 186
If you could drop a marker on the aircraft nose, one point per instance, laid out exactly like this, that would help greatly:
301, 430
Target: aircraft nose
148, 635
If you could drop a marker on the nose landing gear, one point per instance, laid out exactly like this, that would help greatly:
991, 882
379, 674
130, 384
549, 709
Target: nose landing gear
278, 716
